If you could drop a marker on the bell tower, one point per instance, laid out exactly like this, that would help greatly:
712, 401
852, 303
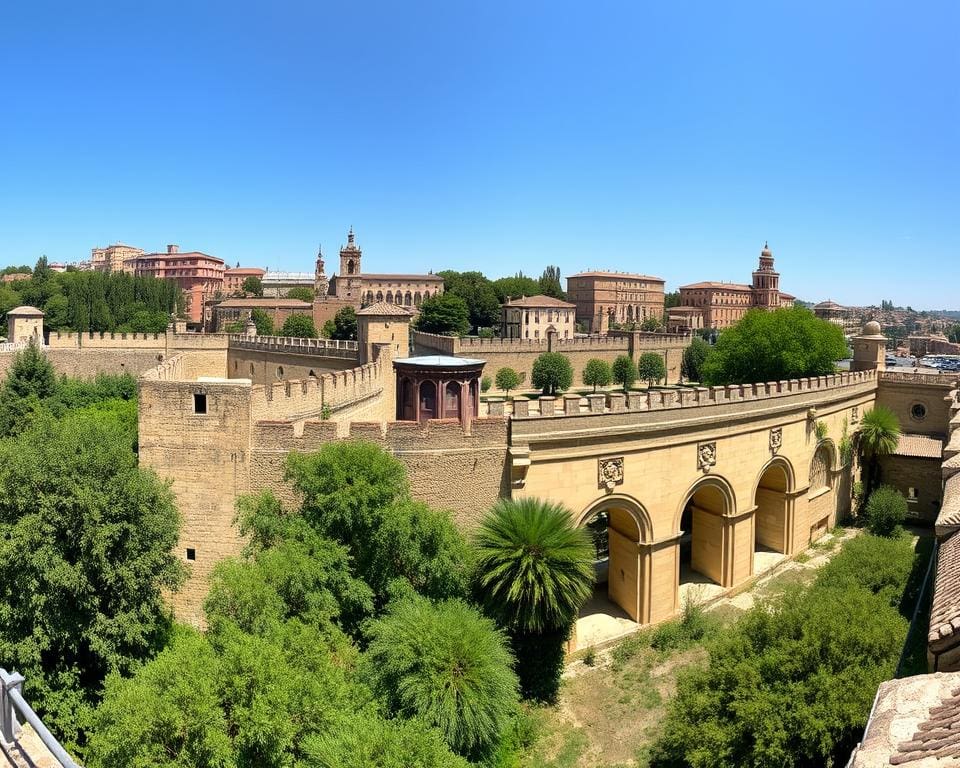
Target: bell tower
349, 283
766, 282
321, 285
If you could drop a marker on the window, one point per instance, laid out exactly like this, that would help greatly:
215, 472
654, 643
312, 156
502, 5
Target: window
279, 371
191, 554
912, 494
918, 411
199, 402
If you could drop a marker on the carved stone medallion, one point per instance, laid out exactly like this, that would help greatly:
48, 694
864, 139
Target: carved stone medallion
610, 472
706, 455
776, 439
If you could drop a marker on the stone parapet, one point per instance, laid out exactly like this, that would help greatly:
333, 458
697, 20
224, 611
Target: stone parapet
318, 347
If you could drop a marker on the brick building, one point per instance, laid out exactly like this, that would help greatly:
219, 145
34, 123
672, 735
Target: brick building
605, 297
723, 304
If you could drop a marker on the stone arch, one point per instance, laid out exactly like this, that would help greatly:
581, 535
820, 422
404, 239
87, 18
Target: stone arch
700, 523
785, 465
350, 267
821, 507
407, 299
369, 297
772, 510
619, 563
389, 297
428, 401
379, 295
416, 299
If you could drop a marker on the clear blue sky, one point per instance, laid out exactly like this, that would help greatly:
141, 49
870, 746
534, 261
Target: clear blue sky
669, 138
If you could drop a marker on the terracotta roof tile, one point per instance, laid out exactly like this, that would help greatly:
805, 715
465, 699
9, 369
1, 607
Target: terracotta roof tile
540, 301
382, 309
919, 446
945, 609
619, 276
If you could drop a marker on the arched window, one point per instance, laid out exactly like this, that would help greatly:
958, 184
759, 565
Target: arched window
820, 469
408, 299
389, 297
379, 295
451, 400
428, 400
416, 299
350, 267
369, 297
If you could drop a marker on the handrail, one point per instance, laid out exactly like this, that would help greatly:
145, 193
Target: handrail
11, 703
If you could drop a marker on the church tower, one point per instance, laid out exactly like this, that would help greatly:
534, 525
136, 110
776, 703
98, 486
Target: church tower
321, 285
349, 283
766, 282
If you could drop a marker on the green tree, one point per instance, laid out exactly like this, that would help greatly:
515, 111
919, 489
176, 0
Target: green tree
879, 436
345, 324
88, 551
507, 379
301, 292
515, 287
953, 334
263, 322
885, 511
299, 326
477, 292
254, 285
624, 371
30, 380
651, 368
533, 572
597, 373
549, 283
652, 323
671, 300
693, 358
448, 666
357, 494
551, 373
445, 314
772, 346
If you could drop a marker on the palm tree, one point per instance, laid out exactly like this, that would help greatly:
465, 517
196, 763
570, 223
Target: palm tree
534, 567
879, 436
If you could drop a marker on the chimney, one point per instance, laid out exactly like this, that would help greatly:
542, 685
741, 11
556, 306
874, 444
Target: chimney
173, 249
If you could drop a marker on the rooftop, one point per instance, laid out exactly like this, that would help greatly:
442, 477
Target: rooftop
382, 309
25, 311
717, 284
438, 361
619, 276
378, 276
945, 610
539, 301
919, 446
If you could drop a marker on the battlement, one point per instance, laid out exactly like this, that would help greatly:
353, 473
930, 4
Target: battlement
317, 347
937, 379
692, 397
93, 340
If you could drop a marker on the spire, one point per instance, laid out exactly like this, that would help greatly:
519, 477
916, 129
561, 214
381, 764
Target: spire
350, 236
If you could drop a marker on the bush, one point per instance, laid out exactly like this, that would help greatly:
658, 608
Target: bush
552, 372
885, 511
507, 379
880, 565
299, 326
485, 384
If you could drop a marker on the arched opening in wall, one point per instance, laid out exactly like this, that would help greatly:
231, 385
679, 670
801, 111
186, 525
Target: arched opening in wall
616, 527
451, 400
350, 267
407, 400
311, 374
279, 371
379, 295
473, 403
253, 371
428, 401
770, 522
416, 299
629, 312
389, 297
369, 297
408, 299
821, 512
701, 543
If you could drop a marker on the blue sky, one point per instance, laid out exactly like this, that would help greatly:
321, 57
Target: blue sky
665, 138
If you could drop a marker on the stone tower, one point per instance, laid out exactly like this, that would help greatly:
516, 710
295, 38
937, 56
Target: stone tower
766, 282
349, 283
383, 324
321, 286
869, 349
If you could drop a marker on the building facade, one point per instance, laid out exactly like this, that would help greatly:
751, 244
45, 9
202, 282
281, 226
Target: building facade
197, 274
234, 278
115, 258
277, 283
531, 316
618, 297
724, 304
225, 313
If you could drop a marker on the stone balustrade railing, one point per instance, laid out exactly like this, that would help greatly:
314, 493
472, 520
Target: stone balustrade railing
317, 347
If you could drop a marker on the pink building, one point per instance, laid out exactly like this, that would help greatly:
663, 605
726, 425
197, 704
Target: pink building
198, 275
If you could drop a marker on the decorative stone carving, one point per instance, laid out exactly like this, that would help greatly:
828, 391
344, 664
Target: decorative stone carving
855, 414
706, 455
610, 472
776, 439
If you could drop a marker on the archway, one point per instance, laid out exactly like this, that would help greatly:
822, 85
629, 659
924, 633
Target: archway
821, 494
771, 523
350, 267
451, 400
702, 557
428, 401
617, 525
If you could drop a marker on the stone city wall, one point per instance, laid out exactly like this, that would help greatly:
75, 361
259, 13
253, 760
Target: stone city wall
266, 359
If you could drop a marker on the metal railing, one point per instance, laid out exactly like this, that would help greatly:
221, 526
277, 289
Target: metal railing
13, 704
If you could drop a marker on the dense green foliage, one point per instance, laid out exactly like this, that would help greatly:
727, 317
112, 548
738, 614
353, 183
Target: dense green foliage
885, 511
253, 285
447, 666
444, 314
624, 371
357, 495
792, 682
533, 572
879, 436
299, 326
86, 541
477, 292
772, 346
953, 334
597, 373
263, 322
515, 287
652, 323
301, 292
551, 373
549, 283
343, 326
693, 357
507, 379
651, 368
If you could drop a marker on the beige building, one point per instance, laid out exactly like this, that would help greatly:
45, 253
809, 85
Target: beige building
724, 304
531, 317
618, 297
115, 258
25, 324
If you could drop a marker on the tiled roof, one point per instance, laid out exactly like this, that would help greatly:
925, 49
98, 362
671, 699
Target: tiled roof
619, 276
714, 284
373, 276
382, 309
915, 722
919, 446
25, 311
540, 301
948, 520
787, 295
945, 610
239, 303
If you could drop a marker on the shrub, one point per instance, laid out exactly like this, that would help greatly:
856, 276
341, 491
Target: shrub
885, 511
596, 373
507, 379
624, 371
485, 384
552, 372
651, 368
299, 326
693, 357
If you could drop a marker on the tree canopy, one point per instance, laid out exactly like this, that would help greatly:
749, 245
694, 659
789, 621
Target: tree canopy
651, 368
514, 287
299, 326
477, 292
445, 314
507, 379
693, 357
549, 283
597, 373
253, 285
551, 373
301, 292
343, 326
262, 320
772, 346
624, 371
